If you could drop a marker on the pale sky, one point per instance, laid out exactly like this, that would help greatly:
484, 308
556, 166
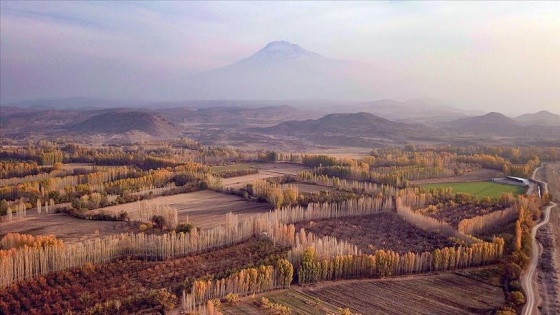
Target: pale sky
502, 56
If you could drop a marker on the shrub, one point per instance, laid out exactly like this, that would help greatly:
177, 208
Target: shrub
159, 221
512, 271
184, 228
231, 298
516, 298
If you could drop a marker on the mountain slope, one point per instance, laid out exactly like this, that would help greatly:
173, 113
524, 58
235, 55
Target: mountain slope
542, 118
119, 122
282, 70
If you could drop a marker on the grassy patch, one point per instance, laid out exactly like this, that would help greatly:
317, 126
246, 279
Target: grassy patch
479, 189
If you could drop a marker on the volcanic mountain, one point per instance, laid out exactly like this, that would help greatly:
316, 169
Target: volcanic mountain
352, 129
496, 124
283, 70
123, 121
542, 118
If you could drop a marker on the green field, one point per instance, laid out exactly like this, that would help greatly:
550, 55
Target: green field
232, 167
479, 189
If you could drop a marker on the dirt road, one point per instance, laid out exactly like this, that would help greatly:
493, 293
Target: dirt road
527, 280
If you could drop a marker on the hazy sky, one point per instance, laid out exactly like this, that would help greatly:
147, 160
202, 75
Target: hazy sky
482, 55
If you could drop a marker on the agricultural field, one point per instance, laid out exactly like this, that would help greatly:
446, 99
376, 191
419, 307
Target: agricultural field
431, 294
438, 294
386, 231
478, 189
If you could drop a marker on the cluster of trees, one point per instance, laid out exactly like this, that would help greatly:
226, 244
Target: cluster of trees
310, 160
164, 217
501, 164
151, 301
274, 193
410, 155
345, 208
60, 186
18, 169
16, 240
399, 176
483, 223
92, 188
389, 263
245, 282
345, 185
426, 223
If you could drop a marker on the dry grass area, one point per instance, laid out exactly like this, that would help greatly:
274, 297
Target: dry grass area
63, 227
430, 294
204, 209
379, 231
474, 176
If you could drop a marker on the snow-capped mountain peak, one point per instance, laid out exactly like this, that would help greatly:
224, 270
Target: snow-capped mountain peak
282, 50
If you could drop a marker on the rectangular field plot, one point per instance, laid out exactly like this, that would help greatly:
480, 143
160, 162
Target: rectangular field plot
446, 294
479, 189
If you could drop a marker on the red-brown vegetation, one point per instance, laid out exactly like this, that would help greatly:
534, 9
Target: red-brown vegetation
378, 231
80, 289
